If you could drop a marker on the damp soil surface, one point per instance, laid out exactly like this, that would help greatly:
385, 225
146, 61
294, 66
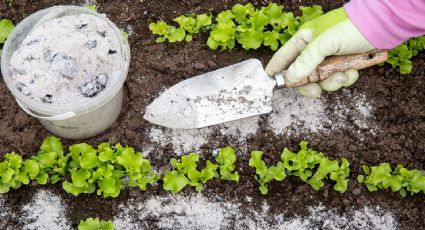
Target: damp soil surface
398, 117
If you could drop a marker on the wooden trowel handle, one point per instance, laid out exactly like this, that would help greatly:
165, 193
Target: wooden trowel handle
336, 64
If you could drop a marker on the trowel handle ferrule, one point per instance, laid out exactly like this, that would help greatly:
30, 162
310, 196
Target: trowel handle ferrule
336, 64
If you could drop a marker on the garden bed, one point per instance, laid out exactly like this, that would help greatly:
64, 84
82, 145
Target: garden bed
380, 119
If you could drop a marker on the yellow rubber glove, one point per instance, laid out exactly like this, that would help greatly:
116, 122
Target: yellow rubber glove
330, 34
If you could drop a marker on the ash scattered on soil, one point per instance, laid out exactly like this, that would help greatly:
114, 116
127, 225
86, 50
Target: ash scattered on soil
45, 211
184, 141
293, 115
320, 217
200, 212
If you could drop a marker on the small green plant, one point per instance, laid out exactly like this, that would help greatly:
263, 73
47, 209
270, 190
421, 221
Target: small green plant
226, 159
184, 171
400, 179
95, 224
6, 27
138, 170
52, 161
268, 26
91, 7
251, 27
88, 170
188, 26
104, 170
13, 173
48, 164
400, 57
265, 174
309, 165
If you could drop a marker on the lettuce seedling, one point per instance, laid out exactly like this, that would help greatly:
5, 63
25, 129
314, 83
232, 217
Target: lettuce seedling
88, 170
251, 27
188, 26
400, 57
185, 173
266, 174
400, 180
91, 7
6, 27
53, 163
167, 32
10, 168
89, 173
138, 169
314, 167
341, 176
193, 24
223, 34
309, 13
309, 165
49, 163
95, 224
226, 159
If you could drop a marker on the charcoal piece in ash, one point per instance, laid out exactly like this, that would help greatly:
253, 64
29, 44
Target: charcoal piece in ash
102, 33
48, 55
47, 99
90, 44
21, 87
19, 71
35, 41
65, 65
95, 86
82, 26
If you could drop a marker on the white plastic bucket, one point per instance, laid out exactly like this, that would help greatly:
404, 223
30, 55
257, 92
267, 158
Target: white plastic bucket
74, 121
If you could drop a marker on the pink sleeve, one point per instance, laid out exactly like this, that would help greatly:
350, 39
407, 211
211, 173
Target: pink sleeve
387, 23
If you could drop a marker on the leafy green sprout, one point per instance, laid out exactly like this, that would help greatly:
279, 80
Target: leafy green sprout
265, 174
251, 27
6, 27
268, 26
91, 7
104, 170
95, 224
400, 179
400, 57
108, 169
309, 165
188, 26
185, 173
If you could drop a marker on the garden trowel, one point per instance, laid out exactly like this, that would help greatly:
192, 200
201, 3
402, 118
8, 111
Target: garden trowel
238, 91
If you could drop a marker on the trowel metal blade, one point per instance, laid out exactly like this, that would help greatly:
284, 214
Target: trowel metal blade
231, 93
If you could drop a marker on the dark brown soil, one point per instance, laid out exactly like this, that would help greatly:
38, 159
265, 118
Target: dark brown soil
398, 102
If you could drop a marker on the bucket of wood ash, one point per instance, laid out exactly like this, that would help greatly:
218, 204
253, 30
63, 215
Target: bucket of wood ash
66, 66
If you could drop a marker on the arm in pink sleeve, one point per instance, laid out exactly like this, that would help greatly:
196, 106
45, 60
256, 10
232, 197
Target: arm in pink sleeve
387, 23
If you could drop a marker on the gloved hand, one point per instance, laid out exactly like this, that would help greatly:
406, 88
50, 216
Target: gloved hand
330, 34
